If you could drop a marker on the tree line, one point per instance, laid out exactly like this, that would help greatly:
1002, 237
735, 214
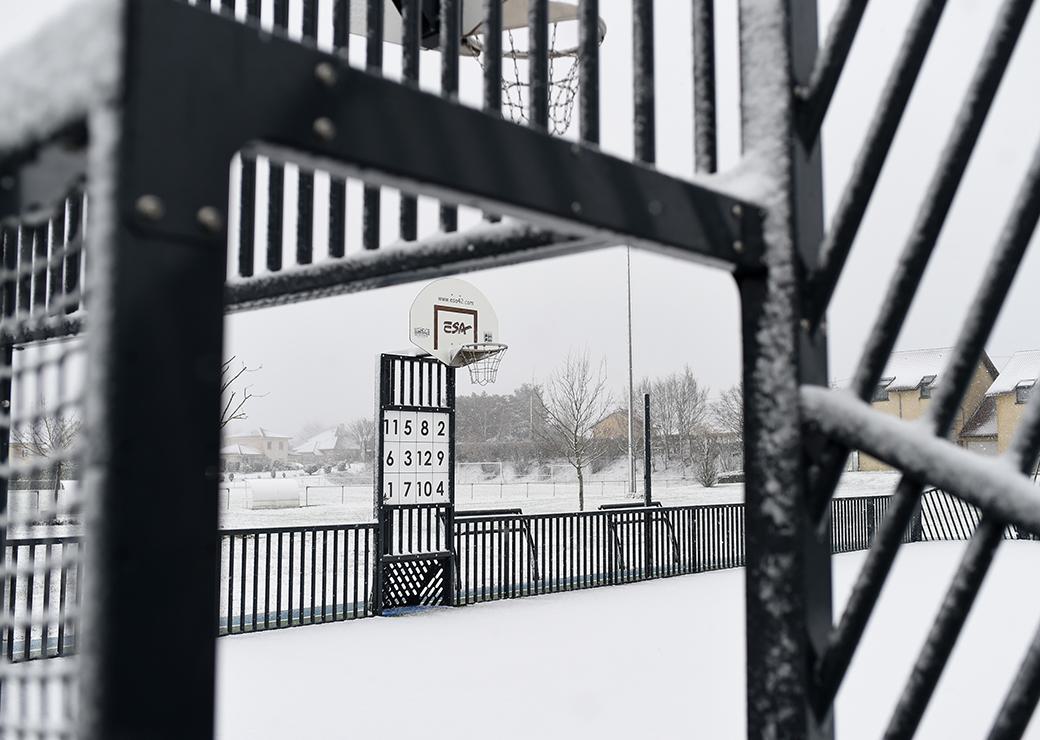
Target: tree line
574, 415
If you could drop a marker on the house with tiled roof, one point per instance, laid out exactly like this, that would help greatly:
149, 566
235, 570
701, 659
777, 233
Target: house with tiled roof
272, 445
992, 426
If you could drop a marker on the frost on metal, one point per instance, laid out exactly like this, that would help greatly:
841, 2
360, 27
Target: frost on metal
436, 255
61, 72
774, 496
995, 485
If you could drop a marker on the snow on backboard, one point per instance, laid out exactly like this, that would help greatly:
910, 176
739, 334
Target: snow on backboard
449, 313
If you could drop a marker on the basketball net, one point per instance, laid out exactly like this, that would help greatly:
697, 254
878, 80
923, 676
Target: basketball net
563, 75
481, 359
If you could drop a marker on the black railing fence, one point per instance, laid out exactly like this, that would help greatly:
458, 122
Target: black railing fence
271, 578
289, 576
39, 595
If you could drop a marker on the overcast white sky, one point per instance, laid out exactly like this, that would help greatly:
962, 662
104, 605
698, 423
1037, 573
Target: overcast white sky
317, 358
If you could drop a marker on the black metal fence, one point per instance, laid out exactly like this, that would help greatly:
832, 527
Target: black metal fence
279, 577
39, 597
272, 578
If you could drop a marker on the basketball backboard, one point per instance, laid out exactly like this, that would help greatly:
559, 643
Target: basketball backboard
449, 314
514, 15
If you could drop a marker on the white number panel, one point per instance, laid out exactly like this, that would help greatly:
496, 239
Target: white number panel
415, 457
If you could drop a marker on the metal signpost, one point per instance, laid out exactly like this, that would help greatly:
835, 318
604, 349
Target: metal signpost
415, 482
452, 324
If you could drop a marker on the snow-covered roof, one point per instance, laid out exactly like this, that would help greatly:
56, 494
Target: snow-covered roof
325, 442
260, 432
908, 369
1022, 369
983, 423
236, 449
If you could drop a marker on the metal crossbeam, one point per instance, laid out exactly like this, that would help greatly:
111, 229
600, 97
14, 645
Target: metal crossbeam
267, 98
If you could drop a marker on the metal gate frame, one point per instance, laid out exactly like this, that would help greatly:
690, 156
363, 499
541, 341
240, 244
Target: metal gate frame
163, 122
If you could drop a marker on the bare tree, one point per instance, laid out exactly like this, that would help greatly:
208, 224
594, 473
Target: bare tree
49, 438
708, 461
576, 397
691, 409
363, 430
234, 400
729, 412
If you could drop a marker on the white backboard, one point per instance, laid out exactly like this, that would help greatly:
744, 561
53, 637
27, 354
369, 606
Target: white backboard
514, 15
449, 313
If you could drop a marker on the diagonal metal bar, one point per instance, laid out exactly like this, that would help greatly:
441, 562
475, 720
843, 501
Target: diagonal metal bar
918, 249
815, 97
1020, 702
872, 156
1011, 247
961, 594
990, 484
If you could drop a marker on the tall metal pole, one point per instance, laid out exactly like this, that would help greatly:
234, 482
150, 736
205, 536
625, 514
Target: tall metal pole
647, 463
631, 381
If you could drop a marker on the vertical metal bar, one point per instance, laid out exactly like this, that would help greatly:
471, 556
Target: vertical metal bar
705, 142
314, 571
410, 32
492, 56
538, 62
788, 598
305, 183
246, 216
643, 80
75, 255
9, 257
25, 259
256, 573
291, 572
451, 22
276, 175
337, 185
230, 579
371, 207
335, 568
278, 594
11, 603
58, 244
588, 71
242, 586
30, 589
135, 269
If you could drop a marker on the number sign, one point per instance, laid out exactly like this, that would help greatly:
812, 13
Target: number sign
416, 446
415, 429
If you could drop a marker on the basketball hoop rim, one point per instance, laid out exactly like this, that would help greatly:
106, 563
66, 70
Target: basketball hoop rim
473, 46
487, 350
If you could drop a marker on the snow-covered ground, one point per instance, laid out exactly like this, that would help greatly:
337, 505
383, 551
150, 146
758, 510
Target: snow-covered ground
663, 659
332, 504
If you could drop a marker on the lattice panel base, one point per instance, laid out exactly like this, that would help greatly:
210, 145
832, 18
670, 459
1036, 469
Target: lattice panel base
414, 582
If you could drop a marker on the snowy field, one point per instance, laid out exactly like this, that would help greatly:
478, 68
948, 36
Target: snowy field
327, 503
663, 659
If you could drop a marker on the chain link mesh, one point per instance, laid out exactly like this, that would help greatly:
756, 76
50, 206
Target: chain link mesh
41, 372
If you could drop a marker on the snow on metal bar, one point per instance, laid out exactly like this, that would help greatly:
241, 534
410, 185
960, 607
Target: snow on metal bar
991, 484
476, 248
58, 74
830, 61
